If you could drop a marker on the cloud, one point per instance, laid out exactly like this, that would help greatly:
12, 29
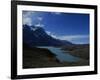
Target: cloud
56, 13
68, 37
27, 21
27, 18
48, 32
51, 34
32, 18
39, 22
54, 36
28, 13
40, 18
78, 39
39, 25
73, 37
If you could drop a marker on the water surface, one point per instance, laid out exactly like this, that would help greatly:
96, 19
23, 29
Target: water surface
61, 55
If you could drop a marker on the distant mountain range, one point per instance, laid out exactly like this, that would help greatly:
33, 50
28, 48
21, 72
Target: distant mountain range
37, 36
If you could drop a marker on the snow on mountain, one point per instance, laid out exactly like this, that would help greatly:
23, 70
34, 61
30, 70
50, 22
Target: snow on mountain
37, 36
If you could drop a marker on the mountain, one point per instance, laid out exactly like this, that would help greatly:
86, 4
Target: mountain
37, 36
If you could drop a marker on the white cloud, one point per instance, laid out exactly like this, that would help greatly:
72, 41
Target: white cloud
27, 21
73, 37
48, 32
56, 13
40, 18
54, 36
28, 13
39, 25
39, 22
27, 18
51, 34
30, 18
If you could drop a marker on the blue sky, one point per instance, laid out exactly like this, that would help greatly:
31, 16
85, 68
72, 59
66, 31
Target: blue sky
73, 27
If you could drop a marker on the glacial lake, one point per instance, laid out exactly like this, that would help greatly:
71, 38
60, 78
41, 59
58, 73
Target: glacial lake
61, 55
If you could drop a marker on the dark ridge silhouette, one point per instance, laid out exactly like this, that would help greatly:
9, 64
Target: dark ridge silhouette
37, 36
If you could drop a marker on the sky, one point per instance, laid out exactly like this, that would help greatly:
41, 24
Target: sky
73, 27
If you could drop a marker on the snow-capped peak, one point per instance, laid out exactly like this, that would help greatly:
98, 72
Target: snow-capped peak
39, 25
33, 29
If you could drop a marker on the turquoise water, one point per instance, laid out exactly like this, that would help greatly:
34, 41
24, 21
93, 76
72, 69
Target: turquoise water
61, 55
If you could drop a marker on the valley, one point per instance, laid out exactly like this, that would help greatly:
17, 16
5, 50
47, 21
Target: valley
43, 57
42, 50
